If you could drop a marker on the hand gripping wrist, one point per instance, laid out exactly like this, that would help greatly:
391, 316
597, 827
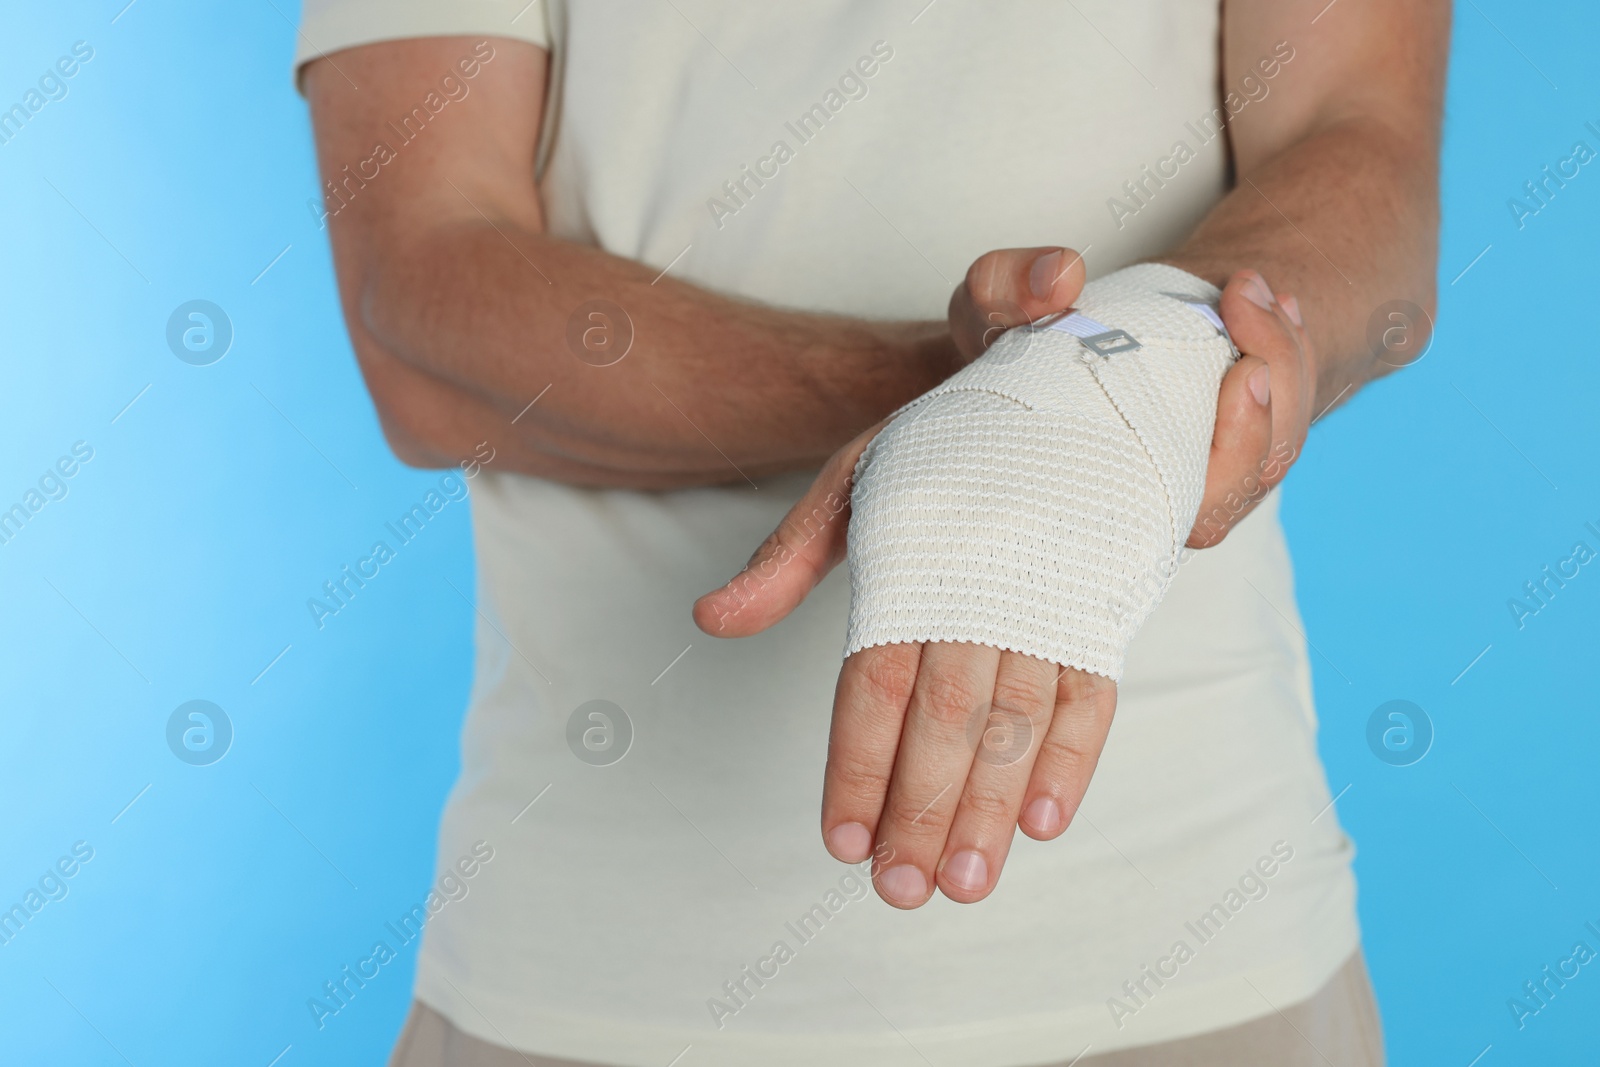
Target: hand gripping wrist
1037, 500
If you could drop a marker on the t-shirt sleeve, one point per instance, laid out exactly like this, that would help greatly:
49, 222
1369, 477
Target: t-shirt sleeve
328, 26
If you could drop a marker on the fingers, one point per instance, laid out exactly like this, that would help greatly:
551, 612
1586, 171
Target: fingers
1262, 409
1240, 451
930, 769
1261, 326
940, 752
1009, 287
869, 708
1084, 705
808, 543
1007, 733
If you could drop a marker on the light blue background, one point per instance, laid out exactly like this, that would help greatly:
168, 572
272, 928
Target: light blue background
179, 564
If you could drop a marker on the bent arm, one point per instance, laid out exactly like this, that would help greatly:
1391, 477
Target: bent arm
1337, 171
458, 304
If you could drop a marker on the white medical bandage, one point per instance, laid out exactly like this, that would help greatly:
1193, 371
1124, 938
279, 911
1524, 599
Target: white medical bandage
1037, 500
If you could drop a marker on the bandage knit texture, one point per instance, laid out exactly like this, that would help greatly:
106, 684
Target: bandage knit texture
1038, 499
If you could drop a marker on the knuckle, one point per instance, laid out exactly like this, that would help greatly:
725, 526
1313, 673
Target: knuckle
989, 807
950, 699
1005, 737
857, 780
1064, 759
1072, 747
1021, 699
1093, 692
915, 816
774, 547
889, 674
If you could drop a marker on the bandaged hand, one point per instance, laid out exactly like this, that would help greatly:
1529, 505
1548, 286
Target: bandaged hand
1008, 532
1037, 500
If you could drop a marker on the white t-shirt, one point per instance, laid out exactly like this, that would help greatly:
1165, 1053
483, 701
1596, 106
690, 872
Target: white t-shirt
682, 896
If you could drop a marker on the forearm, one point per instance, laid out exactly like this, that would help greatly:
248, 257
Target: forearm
709, 386
1347, 220
431, 423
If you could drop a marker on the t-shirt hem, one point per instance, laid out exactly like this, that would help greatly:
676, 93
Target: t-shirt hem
351, 23
1013, 1041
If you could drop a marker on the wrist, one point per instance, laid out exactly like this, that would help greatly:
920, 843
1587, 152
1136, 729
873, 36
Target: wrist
900, 362
931, 354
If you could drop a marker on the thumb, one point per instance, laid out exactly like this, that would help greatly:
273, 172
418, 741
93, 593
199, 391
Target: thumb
1010, 287
1239, 449
808, 543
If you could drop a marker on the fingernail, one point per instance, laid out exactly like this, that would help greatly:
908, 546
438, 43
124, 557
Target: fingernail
968, 870
1258, 293
904, 884
1046, 269
1291, 307
850, 842
1260, 383
1044, 815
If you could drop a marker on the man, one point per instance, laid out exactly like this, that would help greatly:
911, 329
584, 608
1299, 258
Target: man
665, 259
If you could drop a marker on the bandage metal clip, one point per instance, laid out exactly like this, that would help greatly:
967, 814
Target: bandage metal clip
1095, 336
1110, 343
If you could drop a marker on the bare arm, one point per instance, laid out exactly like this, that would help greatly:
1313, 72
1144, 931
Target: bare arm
1337, 197
458, 304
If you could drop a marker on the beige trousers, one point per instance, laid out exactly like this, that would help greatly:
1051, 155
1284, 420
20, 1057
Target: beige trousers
1337, 1027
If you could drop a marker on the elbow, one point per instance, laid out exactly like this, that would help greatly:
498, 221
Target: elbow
1401, 328
410, 444
412, 413
383, 308
412, 405
414, 453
